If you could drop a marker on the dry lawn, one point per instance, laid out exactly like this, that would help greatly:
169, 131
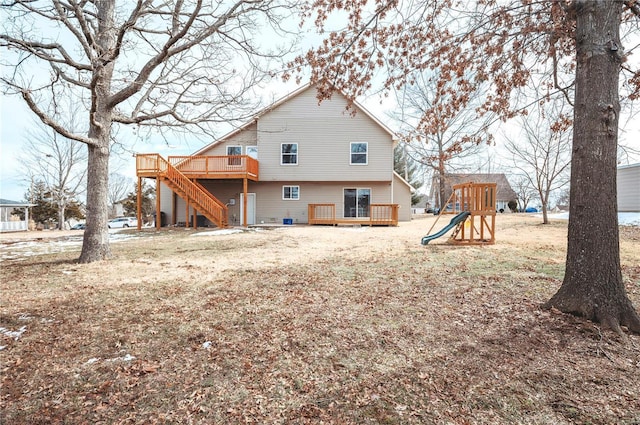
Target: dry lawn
310, 325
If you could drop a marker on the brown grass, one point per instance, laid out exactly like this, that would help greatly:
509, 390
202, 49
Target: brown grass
312, 325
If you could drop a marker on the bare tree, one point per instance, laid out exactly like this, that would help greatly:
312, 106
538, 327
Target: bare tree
59, 163
183, 65
543, 153
119, 186
522, 186
439, 129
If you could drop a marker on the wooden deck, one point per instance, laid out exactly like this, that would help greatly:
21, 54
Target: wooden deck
200, 167
379, 215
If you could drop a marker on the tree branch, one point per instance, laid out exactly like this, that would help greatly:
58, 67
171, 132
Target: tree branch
45, 118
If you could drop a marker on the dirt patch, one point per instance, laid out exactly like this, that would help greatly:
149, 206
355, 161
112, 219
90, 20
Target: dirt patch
311, 325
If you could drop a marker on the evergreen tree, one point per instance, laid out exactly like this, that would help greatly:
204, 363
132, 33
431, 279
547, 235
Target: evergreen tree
130, 203
44, 210
410, 170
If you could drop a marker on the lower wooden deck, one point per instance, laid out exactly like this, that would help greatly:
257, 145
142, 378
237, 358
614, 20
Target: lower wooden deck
379, 215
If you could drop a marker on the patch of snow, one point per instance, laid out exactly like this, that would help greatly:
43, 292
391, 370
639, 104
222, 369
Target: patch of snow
2, 347
26, 249
13, 334
629, 218
624, 218
356, 228
219, 232
206, 345
127, 358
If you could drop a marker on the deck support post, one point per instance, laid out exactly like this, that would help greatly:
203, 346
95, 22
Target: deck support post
158, 215
174, 201
245, 187
186, 215
139, 203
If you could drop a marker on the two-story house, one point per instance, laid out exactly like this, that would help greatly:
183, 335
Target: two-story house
297, 161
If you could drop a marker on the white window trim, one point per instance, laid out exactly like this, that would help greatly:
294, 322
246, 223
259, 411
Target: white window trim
297, 154
290, 199
234, 146
358, 188
352, 153
254, 147
234, 162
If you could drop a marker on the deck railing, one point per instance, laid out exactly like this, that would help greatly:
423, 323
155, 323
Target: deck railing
202, 167
379, 214
384, 214
150, 164
229, 166
321, 213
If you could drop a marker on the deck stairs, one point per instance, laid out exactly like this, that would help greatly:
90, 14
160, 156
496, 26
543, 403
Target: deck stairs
193, 193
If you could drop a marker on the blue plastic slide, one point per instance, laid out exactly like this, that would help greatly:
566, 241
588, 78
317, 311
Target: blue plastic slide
453, 223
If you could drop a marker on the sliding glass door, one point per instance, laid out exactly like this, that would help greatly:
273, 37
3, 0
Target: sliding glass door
356, 202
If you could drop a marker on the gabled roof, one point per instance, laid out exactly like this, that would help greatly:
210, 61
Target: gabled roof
256, 118
14, 204
399, 177
504, 192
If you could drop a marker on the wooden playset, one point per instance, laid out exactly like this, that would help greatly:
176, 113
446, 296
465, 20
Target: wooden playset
475, 222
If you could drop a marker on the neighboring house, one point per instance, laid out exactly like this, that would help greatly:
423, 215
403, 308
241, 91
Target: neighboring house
10, 222
117, 209
504, 192
629, 188
296, 158
422, 207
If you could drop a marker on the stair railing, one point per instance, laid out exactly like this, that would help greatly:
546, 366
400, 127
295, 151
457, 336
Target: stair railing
206, 203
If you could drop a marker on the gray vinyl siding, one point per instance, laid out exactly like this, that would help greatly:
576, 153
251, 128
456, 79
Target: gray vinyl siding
166, 199
402, 197
629, 188
245, 137
271, 208
323, 133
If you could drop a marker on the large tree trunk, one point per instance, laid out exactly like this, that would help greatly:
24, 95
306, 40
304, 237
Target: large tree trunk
95, 245
593, 285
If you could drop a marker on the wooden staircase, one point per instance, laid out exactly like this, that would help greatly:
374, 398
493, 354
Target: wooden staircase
190, 190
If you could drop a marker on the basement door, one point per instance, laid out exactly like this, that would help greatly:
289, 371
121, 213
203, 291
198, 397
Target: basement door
251, 209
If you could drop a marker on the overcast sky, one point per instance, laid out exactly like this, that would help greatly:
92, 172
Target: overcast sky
16, 119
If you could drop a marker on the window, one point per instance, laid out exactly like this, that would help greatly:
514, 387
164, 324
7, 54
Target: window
356, 202
289, 154
291, 193
252, 151
359, 153
234, 152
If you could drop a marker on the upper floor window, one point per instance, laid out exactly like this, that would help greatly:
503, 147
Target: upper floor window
291, 193
289, 154
234, 151
359, 153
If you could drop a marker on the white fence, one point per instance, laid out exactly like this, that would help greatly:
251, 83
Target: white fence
13, 226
